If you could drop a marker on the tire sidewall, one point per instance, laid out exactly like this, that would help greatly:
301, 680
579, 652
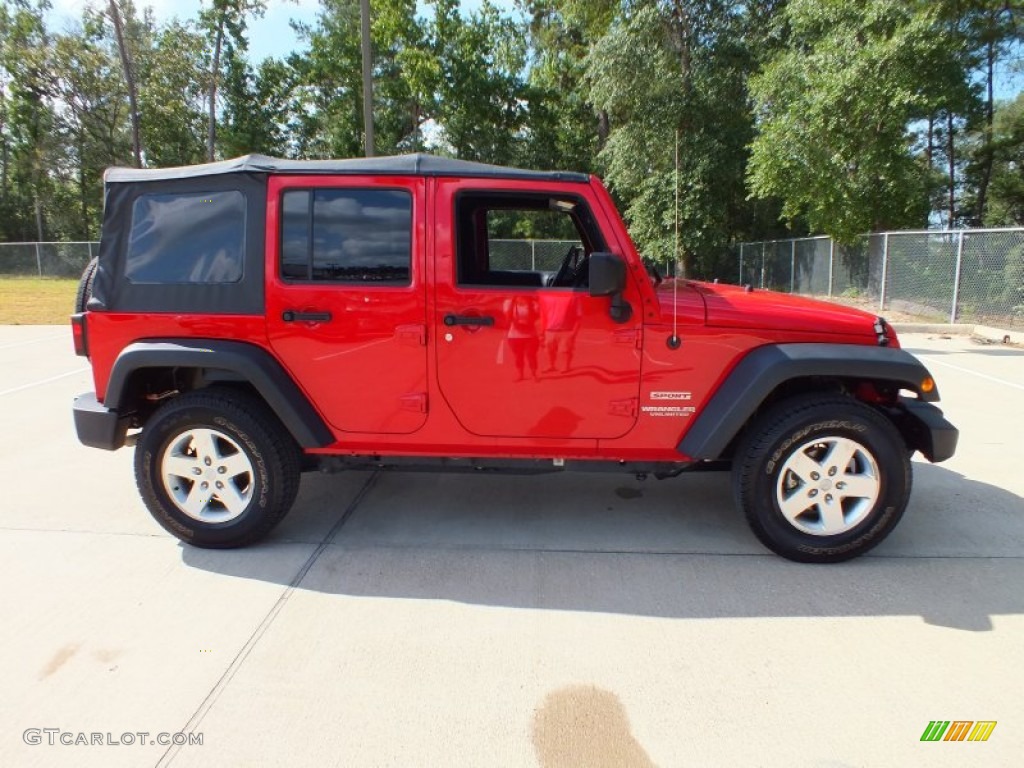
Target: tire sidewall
894, 471
84, 292
155, 441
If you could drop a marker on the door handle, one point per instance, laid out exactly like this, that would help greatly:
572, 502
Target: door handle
451, 320
291, 316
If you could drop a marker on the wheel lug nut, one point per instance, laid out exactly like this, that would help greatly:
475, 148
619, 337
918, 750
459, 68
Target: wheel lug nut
196, 471
208, 461
813, 492
831, 471
815, 476
205, 485
840, 486
828, 498
220, 484
221, 470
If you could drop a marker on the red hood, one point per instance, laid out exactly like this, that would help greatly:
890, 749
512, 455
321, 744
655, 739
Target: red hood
730, 306
687, 299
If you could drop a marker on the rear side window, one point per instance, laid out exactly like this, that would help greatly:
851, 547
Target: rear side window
346, 235
187, 238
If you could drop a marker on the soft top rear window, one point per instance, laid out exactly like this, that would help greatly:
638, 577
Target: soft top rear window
187, 237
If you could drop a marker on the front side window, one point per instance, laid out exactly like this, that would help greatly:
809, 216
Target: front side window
524, 240
187, 238
346, 235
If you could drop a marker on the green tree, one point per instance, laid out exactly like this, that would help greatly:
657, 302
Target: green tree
90, 121
173, 62
481, 105
1006, 190
327, 109
405, 76
565, 130
256, 108
29, 148
990, 31
666, 68
833, 109
225, 23
122, 17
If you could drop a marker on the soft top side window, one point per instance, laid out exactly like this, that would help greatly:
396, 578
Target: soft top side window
186, 237
524, 239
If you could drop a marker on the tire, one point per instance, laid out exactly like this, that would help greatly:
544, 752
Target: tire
793, 456
228, 440
85, 286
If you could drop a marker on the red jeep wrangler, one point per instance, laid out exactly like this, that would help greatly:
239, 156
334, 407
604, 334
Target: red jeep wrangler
256, 318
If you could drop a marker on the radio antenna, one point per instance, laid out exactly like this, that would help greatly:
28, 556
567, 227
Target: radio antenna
674, 341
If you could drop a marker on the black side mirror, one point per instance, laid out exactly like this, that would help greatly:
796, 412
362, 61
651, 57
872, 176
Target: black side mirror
607, 274
608, 278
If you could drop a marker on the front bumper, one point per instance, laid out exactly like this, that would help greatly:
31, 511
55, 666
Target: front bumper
98, 426
928, 431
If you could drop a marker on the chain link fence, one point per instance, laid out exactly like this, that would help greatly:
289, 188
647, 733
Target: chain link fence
54, 260
543, 255
969, 276
972, 275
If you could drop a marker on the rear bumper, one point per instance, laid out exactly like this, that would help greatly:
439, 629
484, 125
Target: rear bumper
928, 431
98, 426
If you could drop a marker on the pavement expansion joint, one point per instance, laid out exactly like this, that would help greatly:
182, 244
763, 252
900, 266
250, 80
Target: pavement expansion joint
211, 698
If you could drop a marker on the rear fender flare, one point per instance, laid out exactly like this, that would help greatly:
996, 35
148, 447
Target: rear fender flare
246, 362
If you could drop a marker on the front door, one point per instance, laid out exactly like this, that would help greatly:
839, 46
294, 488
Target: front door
523, 350
345, 297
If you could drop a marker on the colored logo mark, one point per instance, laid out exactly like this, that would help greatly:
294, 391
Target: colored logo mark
958, 730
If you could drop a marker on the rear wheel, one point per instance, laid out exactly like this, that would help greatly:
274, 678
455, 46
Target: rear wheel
216, 468
822, 478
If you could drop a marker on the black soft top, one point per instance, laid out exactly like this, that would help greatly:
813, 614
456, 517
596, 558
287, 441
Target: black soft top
397, 165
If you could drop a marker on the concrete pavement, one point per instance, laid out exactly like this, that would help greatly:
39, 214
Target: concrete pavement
432, 620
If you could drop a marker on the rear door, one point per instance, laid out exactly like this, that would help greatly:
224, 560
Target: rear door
345, 296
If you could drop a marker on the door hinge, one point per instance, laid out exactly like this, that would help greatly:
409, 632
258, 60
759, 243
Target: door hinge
631, 336
628, 407
416, 402
414, 335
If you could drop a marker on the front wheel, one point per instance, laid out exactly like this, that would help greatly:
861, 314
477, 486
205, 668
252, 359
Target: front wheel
216, 468
822, 478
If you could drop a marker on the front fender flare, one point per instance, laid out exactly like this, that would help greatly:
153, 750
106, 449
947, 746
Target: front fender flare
764, 369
